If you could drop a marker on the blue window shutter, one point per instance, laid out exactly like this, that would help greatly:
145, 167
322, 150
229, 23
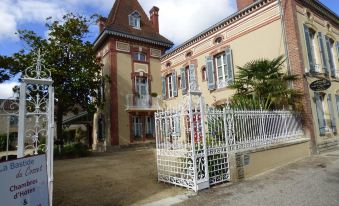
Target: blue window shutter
330, 107
323, 53
337, 50
229, 62
330, 56
337, 102
191, 74
183, 81
320, 113
309, 48
174, 83
163, 87
210, 73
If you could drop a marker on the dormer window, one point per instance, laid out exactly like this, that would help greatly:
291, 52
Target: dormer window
134, 20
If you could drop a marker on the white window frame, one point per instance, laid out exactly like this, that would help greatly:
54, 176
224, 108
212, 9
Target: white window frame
169, 81
314, 44
139, 56
134, 20
223, 77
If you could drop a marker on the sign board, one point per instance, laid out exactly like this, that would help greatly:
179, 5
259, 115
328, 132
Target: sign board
320, 85
24, 182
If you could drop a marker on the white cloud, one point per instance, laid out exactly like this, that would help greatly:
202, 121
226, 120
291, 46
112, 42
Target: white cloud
6, 89
179, 19
14, 12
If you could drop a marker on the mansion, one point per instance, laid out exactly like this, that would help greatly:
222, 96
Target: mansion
145, 77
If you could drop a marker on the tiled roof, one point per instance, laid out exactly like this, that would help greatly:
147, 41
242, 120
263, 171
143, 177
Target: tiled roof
117, 24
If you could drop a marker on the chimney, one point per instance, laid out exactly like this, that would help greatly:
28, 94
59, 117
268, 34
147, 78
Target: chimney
102, 23
154, 16
244, 3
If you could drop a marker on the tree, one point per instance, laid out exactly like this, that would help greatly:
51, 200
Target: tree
74, 67
263, 83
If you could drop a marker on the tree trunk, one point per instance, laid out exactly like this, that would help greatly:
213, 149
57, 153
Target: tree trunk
59, 125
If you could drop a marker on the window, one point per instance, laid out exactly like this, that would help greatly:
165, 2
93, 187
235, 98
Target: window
179, 82
325, 113
138, 56
141, 85
220, 62
169, 80
332, 120
218, 40
134, 20
188, 77
203, 74
137, 128
188, 54
329, 47
310, 46
150, 131
219, 70
319, 100
169, 85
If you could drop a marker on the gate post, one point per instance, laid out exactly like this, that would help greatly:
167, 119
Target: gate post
21, 121
200, 155
37, 89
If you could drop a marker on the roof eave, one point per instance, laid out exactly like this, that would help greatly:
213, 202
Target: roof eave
112, 32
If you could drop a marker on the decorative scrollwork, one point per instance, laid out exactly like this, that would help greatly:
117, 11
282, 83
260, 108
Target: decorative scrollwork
10, 106
36, 131
38, 69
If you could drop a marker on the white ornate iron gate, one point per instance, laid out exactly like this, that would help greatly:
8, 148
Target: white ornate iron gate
219, 132
189, 152
33, 113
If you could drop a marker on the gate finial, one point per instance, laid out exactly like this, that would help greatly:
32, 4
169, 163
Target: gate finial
38, 69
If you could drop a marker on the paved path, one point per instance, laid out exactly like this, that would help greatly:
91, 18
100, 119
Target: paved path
313, 181
129, 177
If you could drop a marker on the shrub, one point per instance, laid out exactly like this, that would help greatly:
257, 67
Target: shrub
3, 141
72, 151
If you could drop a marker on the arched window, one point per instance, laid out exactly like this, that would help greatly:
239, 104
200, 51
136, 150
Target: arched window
139, 56
203, 74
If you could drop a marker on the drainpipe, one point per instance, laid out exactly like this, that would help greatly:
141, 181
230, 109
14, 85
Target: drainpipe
282, 16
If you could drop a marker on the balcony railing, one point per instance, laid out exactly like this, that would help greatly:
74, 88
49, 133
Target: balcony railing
142, 102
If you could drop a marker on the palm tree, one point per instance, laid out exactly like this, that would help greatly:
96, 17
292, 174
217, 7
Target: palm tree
263, 82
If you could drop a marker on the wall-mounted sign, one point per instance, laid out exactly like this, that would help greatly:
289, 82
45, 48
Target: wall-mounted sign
24, 182
320, 85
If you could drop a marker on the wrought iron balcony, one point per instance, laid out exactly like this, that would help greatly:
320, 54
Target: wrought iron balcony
136, 102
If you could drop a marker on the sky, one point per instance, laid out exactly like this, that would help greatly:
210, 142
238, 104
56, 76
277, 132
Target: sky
178, 19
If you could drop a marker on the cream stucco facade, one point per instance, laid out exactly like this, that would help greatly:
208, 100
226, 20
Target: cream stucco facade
263, 30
